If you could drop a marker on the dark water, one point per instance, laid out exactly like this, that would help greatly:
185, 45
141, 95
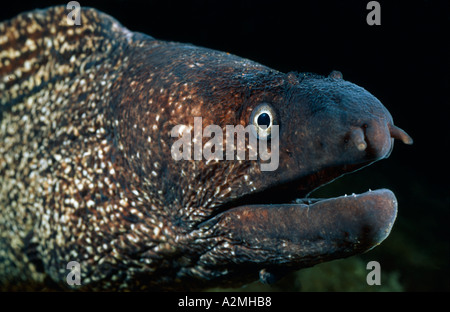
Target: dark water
404, 62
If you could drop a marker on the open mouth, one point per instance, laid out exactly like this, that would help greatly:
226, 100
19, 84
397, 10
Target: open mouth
305, 232
296, 191
281, 225
351, 223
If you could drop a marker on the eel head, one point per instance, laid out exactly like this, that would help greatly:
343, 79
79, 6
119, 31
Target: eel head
261, 223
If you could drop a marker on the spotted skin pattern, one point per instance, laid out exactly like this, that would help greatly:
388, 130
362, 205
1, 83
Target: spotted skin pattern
86, 172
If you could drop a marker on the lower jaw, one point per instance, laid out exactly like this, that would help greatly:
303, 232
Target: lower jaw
315, 229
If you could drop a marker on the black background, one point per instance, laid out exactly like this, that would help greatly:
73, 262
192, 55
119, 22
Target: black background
404, 62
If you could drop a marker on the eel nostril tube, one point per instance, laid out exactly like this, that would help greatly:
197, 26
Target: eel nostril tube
400, 134
357, 138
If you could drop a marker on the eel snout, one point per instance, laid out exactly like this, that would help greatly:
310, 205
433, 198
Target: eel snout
375, 138
400, 134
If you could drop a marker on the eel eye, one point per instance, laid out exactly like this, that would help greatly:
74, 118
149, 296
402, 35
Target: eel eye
263, 118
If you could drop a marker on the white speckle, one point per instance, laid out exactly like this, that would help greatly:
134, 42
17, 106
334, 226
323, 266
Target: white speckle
27, 65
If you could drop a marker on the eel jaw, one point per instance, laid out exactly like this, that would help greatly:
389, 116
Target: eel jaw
256, 236
284, 237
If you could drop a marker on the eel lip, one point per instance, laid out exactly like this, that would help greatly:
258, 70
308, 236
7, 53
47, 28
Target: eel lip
307, 234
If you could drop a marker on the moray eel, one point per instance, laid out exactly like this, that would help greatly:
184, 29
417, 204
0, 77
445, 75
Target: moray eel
87, 174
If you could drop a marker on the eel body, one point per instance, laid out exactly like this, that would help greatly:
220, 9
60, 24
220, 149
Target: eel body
87, 172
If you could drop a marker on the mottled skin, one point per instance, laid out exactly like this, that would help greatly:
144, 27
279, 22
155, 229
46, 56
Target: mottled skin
86, 171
